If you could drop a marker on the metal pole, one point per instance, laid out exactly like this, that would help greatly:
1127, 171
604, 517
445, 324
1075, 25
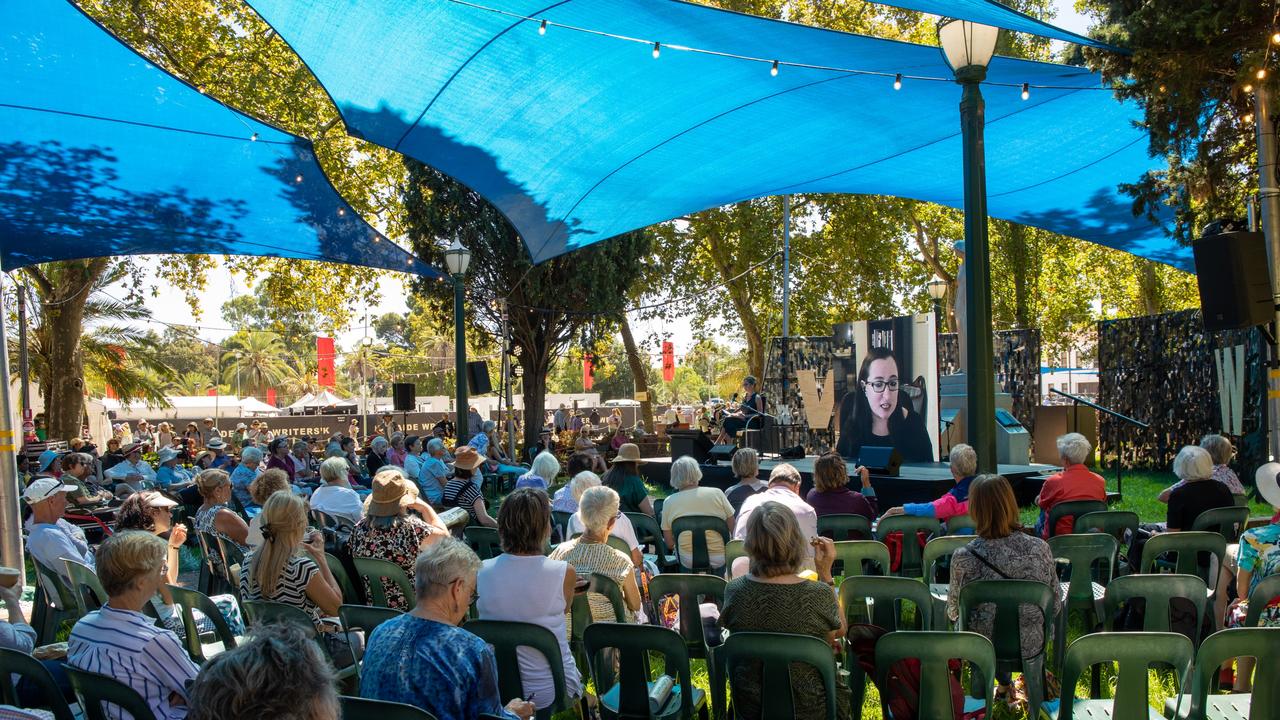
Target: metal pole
24, 369
506, 381
10, 520
786, 296
460, 354
1269, 195
980, 420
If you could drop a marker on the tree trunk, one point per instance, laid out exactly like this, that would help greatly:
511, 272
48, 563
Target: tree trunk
637, 372
1149, 288
534, 391
64, 403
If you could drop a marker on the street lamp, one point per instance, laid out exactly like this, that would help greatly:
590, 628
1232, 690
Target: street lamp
456, 260
937, 288
967, 47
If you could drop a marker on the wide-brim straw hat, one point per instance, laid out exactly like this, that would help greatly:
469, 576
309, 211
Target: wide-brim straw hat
466, 458
391, 492
628, 452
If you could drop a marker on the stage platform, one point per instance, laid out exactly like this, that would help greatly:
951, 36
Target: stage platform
915, 482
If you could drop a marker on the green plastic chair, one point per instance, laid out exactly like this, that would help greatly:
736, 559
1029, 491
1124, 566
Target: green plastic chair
351, 593
188, 600
1119, 524
94, 690
1228, 522
934, 551
484, 540
560, 520
1074, 509
1134, 653
212, 578
776, 653
649, 533
1158, 592
886, 596
232, 561
86, 589
954, 524
1267, 589
357, 708
54, 603
580, 611
845, 526
935, 650
626, 693
732, 551
365, 617
1187, 547
1092, 558
852, 554
1262, 644
13, 663
506, 638
691, 589
267, 612
1009, 597
698, 526
909, 526
376, 572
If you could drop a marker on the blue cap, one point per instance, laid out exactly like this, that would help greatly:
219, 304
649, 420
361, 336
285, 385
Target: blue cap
47, 457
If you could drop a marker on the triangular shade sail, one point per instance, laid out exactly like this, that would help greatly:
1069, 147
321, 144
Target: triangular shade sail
990, 12
102, 153
578, 136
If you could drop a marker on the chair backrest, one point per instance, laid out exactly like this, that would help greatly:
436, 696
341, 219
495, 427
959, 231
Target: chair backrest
212, 555
935, 650
691, 589
649, 533
851, 554
1187, 547
938, 548
13, 662
619, 544
266, 612
1134, 653
1267, 589
1262, 644
954, 524
86, 589
580, 609
94, 690
1228, 522
733, 550
356, 708
188, 600
698, 526
365, 617
909, 526
1009, 597
1072, 509
1158, 592
886, 595
56, 590
1086, 551
506, 639
560, 519
1111, 522
845, 526
633, 644
373, 571
484, 540
351, 593
232, 560
776, 652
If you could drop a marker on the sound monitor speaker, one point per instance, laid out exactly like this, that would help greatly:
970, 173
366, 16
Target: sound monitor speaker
478, 378
723, 453
1235, 287
694, 443
880, 460
404, 396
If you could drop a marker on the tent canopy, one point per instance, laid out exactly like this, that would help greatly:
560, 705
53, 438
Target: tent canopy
580, 134
102, 153
324, 398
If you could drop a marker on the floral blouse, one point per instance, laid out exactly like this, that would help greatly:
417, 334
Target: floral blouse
398, 543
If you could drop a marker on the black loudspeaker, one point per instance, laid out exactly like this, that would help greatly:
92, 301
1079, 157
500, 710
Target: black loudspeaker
694, 443
1235, 286
795, 452
880, 460
478, 378
722, 453
404, 396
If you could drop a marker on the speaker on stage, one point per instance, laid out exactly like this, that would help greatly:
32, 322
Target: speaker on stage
404, 397
694, 443
722, 453
1235, 285
478, 378
880, 460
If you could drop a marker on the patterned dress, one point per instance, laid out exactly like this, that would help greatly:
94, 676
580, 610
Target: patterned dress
1260, 555
291, 588
1020, 557
398, 543
599, 558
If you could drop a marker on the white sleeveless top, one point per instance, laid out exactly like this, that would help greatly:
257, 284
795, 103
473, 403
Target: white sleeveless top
530, 588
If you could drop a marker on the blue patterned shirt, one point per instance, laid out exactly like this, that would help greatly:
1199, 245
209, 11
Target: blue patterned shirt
440, 668
1260, 553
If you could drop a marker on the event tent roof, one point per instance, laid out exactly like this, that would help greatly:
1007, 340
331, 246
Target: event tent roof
580, 134
324, 398
102, 153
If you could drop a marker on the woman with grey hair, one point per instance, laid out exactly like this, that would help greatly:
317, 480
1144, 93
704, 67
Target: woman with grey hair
423, 658
964, 467
395, 453
1075, 482
1220, 452
244, 474
622, 528
279, 672
389, 532
746, 468
304, 468
543, 472
692, 500
336, 497
377, 455
1198, 493
434, 473
590, 553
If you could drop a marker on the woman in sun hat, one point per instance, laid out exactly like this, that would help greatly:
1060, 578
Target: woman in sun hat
462, 491
388, 531
624, 478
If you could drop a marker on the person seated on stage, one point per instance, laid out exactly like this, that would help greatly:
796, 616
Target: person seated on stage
689, 499
964, 465
873, 414
740, 419
624, 478
746, 468
278, 672
1075, 482
617, 434
1220, 452
831, 494
784, 488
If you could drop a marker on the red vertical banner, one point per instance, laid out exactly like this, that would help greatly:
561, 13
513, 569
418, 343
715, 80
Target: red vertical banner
119, 363
668, 361
271, 396
588, 371
211, 392
324, 361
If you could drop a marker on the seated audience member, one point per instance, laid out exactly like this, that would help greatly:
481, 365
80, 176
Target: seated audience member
464, 489
690, 499
243, 475
563, 500
413, 456
423, 658
278, 673
279, 458
1199, 492
622, 528
77, 470
112, 457
17, 634
218, 448
336, 497
1001, 552
1075, 482
774, 597
434, 473
831, 494
964, 466
119, 641
523, 585
389, 532
746, 468
214, 516
396, 451
1220, 452
168, 475
1258, 558
264, 486
624, 478
132, 473
304, 468
543, 472
784, 488
590, 553
49, 465
49, 536
377, 455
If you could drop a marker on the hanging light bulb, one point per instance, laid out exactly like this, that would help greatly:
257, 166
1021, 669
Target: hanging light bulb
774, 70
657, 50
253, 137
1247, 88
1026, 90
1262, 74
1275, 38
897, 81
542, 28
297, 178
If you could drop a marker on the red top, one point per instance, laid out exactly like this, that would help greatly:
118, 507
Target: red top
1075, 482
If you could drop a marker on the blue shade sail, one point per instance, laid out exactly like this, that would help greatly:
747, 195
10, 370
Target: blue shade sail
102, 153
990, 12
577, 136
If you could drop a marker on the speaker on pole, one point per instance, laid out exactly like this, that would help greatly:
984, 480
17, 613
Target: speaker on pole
1235, 285
404, 397
478, 378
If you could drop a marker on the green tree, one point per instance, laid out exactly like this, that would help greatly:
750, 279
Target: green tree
252, 362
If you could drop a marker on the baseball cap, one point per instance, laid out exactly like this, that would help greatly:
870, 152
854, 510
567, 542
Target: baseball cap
42, 489
46, 459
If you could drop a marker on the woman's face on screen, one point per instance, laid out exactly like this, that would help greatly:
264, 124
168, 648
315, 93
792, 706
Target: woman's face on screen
882, 374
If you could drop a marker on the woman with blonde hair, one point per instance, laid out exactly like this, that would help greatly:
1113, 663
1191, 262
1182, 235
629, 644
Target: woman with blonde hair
164, 435
264, 486
214, 516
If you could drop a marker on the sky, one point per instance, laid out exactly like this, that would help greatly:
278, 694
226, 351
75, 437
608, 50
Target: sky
169, 306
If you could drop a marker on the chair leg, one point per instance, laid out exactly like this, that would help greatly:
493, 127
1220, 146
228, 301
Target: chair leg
1033, 679
1060, 637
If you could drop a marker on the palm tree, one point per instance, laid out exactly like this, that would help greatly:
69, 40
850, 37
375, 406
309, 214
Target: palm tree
299, 379
190, 383
254, 360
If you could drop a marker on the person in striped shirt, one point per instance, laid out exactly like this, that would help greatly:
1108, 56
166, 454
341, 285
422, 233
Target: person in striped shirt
119, 641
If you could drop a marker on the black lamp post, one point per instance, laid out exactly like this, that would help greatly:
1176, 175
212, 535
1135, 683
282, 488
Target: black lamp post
456, 260
937, 288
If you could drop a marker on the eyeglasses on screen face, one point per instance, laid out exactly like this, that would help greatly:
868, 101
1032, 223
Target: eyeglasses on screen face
881, 385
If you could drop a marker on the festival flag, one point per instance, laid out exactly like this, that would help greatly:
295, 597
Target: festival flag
324, 360
211, 392
119, 363
668, 361
271, 396
588, 371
